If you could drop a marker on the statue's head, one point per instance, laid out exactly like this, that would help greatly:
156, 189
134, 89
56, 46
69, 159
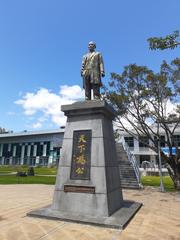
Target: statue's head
91, 46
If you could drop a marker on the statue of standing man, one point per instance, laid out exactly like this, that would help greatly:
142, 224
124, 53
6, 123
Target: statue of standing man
92, 70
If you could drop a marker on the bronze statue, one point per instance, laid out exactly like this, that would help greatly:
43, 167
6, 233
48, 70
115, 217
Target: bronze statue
92, 70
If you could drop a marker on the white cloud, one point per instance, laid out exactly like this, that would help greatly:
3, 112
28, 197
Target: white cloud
48, 104
168, 106
37, 125
73, 92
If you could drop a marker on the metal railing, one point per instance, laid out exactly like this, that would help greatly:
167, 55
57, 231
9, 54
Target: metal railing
131, 159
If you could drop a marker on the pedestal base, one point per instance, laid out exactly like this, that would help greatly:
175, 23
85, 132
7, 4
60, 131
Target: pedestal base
118, 220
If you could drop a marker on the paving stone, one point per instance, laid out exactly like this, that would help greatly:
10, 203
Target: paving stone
156, 219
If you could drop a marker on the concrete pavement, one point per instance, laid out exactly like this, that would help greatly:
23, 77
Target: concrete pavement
159, 218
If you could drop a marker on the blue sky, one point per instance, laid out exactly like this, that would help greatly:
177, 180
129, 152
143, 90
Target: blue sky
42, 43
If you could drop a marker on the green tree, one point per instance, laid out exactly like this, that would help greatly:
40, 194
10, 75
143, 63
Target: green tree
170, 41
141, 97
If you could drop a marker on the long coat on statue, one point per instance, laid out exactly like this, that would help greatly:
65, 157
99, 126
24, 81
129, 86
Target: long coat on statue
92, 68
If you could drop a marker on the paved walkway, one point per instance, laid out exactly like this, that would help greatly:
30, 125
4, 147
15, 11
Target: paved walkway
159, 218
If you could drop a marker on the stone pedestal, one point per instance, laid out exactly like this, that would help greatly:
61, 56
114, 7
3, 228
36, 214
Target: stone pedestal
104, 196
88, 187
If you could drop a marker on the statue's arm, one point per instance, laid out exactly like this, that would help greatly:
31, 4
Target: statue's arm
101, 62
83, 65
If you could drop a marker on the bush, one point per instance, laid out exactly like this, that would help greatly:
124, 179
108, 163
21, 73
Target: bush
30, 171
21, 174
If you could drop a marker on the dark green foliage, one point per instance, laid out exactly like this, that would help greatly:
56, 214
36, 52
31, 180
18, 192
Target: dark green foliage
30, 171
21, 174
170, 41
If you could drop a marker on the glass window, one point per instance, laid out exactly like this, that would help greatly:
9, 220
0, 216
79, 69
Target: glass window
177, 140
5, 150
143, 142
25, 150
129, 141
162, 141
18, 150
48, 149
39, 149
143, 158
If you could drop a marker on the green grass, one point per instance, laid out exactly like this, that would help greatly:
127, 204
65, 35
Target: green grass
155, 181
37, 170
12, 179
45, 171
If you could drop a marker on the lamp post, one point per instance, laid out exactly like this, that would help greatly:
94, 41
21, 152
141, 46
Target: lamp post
160, 163
160, 169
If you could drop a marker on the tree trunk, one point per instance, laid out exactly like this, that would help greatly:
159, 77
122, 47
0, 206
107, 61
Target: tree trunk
174, 173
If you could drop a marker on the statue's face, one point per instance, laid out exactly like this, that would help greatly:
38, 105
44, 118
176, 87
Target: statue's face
91, 47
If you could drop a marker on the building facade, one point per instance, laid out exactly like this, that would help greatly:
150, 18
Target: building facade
44, 147
144, 153
31, 148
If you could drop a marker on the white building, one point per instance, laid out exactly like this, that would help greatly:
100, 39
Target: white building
144, 153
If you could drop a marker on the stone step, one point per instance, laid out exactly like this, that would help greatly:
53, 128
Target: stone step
130, 186
126, 169
127, 174
129, 182
125, 166
127, 178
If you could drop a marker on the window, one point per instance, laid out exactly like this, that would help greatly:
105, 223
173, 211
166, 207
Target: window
162, 141
129, 141
143, 141
39, 149
5, 150
32, 150
48, 149
143, 158
18, 150
177, 140
25, 150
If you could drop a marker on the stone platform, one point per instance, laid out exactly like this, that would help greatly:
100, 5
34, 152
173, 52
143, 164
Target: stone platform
118, 220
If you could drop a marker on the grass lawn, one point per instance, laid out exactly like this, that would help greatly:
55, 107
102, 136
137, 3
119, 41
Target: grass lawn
37, 170
45, 171
12, 179
155, 181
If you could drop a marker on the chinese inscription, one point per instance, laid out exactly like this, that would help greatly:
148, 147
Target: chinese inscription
81, 155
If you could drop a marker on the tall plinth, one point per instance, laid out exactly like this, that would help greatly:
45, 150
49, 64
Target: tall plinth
88, 187
88, 181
